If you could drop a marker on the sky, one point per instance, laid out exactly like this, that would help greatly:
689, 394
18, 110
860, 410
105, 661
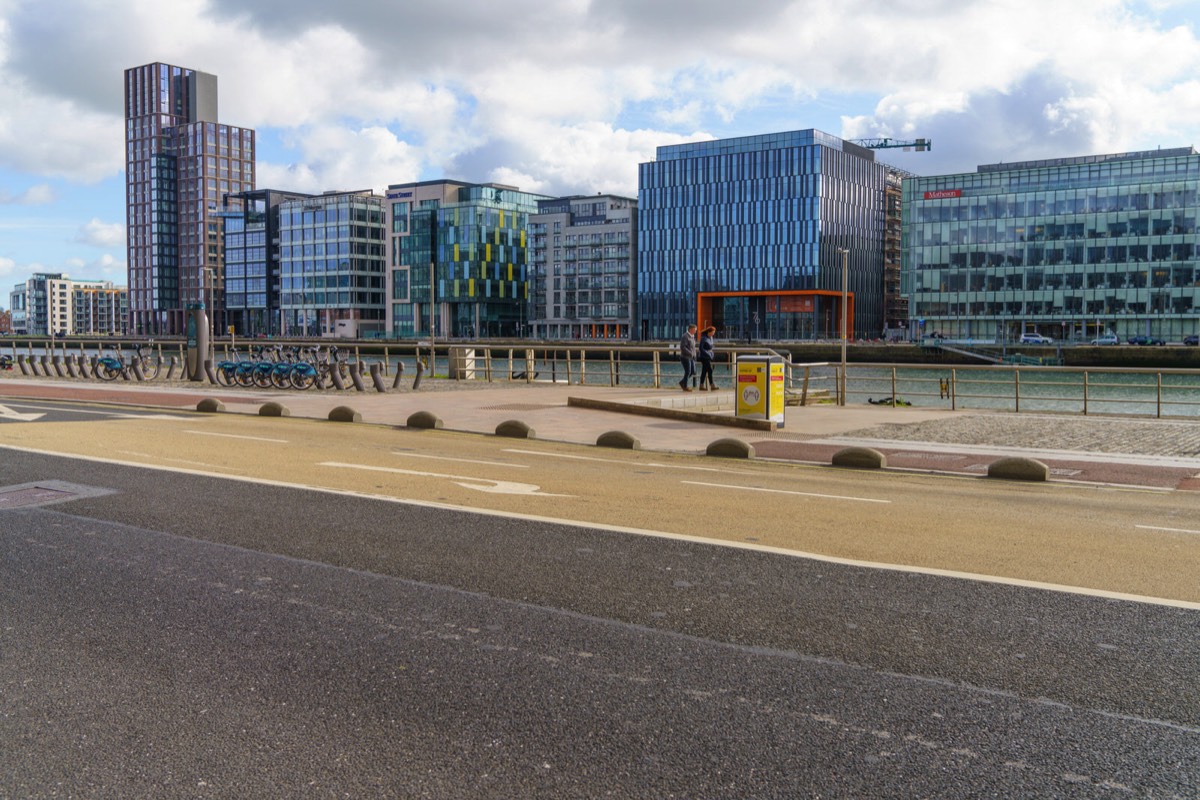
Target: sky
566, 96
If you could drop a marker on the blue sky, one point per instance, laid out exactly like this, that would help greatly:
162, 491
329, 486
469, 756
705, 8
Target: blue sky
566, 96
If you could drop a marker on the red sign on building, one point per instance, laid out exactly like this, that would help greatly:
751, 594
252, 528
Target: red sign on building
943, 194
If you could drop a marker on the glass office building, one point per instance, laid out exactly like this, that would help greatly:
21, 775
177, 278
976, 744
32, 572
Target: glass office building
1070, 248
747, 234
251, 275
331, 265
468, 240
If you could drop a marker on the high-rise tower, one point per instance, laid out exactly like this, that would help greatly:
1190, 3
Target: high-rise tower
179, 164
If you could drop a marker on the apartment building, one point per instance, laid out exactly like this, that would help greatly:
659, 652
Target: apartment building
583, 268
180, 163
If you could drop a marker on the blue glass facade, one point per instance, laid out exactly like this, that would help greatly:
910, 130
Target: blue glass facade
1070, 248
760, 214
474, 239
331, 265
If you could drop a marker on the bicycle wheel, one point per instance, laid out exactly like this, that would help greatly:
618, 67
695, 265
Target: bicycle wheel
281, 377
107, 371
227, 373
262, 375
303, 377
244, 374
150, 368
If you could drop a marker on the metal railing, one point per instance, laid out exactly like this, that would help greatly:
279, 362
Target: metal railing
1151, 392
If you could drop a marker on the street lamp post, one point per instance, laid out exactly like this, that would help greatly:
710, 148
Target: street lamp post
845, 284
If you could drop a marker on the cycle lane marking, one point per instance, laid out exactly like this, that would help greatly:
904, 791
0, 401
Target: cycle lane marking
788, 491
656, 464
1168, 530
1004, 580
505, 464
490, 485
236, 436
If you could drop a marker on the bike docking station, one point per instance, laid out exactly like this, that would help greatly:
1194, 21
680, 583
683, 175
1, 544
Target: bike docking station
759, 388
197, 342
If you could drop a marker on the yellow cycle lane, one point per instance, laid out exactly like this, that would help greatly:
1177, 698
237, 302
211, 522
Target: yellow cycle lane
1099, 540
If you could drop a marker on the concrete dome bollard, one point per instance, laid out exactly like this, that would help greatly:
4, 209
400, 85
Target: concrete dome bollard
620, 440
1018, 468
344, 414
210, 405
424, 419
274, 409
859, 458
515, 429
730, 448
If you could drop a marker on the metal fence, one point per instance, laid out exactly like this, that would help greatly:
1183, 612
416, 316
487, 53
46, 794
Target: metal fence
1148, 392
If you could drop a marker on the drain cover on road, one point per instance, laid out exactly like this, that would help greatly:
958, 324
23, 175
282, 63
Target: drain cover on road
44, 493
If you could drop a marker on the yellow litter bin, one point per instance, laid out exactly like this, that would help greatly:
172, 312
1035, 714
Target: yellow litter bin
759, 390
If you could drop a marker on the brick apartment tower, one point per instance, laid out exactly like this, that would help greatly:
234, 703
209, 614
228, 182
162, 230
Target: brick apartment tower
179, 164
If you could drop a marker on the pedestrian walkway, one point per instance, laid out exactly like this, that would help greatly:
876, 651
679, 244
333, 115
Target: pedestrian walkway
1151, 453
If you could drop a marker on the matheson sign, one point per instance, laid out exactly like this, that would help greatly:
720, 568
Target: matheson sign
943, 194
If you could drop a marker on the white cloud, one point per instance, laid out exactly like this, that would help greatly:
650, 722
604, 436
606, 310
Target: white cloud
102, 234
38, 195
570, 95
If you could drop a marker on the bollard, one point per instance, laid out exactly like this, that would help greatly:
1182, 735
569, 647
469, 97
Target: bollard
136, 368
84, 370
21, 363
399, 374
56, 362
356, 376
45, 362
377, 378
70, 364
210, 372
171, 369
336, 374
420, 371
93, 361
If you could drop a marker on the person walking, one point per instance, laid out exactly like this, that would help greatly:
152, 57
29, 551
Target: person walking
687, 356
707, 354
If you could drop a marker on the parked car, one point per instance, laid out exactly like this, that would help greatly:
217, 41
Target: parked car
1146, 340
1192, 340
1035, 338
1108, 338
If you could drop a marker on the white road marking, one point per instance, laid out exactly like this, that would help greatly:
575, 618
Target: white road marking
1001, 580
723, 471
787, 491
504, 464
1169, 530
8, 413
235, 436
465, 481
177, 460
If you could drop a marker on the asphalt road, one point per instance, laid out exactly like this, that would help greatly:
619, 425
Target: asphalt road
167, 633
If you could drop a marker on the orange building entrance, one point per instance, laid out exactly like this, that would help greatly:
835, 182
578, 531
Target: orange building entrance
781, 315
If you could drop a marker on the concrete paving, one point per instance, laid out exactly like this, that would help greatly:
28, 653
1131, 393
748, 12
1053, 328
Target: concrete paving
1119, 450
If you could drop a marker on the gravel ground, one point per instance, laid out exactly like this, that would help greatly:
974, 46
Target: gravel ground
1050, 432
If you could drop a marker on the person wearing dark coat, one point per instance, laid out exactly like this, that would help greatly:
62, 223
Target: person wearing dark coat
707, 354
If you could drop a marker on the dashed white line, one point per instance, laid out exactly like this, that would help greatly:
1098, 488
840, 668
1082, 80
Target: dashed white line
1168, 530
787, 491
235, 436
505, 464
543, 454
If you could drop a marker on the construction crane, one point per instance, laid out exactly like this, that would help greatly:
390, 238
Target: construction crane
920, 145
